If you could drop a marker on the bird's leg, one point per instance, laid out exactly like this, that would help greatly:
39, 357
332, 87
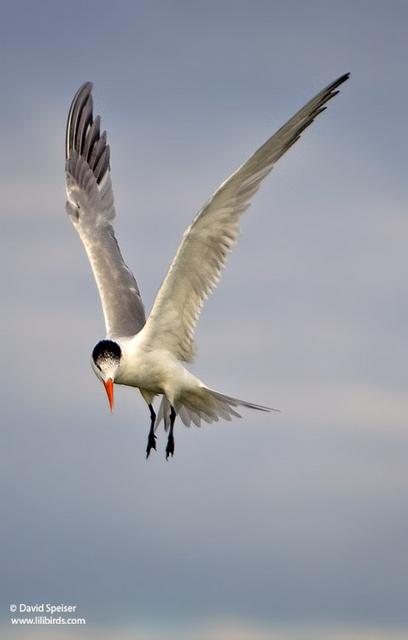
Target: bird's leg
170, 441
151, 440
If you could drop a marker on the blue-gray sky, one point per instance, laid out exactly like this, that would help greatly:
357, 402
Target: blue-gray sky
273, 524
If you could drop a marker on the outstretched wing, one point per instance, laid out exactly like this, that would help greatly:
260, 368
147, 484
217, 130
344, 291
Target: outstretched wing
201, 255
90, 206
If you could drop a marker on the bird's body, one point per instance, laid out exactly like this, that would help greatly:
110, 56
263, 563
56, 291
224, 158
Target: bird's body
153, 371
149, 354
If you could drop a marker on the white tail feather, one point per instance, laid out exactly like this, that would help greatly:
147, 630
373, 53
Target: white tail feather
205, 405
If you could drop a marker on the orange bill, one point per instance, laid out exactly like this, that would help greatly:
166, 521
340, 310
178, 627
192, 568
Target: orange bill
109, 391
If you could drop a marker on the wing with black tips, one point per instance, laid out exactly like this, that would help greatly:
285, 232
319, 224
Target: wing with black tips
90, 206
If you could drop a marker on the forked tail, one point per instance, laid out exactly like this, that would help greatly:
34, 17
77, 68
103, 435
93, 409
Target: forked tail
206, 405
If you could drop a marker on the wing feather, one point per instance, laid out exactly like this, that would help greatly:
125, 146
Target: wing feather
197, 266
90, 206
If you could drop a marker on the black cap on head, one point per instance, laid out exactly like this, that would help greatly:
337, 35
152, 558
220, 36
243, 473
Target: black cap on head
106, 350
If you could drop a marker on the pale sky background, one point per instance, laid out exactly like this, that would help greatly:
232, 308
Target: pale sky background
291, 526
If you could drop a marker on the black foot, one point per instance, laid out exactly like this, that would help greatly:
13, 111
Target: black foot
151, 444
170, 447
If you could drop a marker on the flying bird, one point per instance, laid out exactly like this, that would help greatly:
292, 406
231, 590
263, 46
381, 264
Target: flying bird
149, 353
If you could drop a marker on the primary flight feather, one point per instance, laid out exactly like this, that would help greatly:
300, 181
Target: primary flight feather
148, 354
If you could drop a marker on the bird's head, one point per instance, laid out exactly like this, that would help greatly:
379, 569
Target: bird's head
105, 363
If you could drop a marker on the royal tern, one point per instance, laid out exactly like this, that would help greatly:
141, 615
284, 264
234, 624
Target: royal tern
148, 354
